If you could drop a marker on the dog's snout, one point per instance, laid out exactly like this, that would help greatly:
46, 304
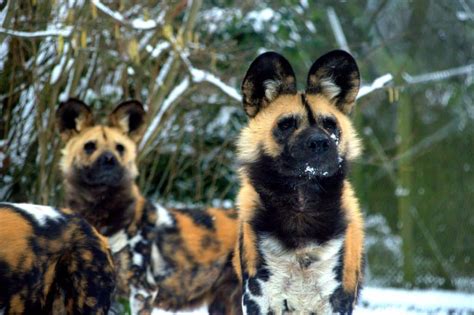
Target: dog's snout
318, 143
108, 159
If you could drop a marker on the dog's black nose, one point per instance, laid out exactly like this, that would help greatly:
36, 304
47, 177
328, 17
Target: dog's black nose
318, 143
107, 159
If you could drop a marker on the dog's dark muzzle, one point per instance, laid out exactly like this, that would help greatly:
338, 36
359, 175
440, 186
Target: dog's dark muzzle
106, 170
316, 153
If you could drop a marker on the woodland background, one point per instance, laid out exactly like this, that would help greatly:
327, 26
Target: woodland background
185, 60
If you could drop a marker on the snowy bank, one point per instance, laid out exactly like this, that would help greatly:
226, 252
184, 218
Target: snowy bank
399, 301
396, 301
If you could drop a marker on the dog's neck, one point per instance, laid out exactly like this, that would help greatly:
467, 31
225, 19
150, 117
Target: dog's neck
294, 210
108, 209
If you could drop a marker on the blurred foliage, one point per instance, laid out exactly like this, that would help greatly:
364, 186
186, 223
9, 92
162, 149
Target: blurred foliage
415, 179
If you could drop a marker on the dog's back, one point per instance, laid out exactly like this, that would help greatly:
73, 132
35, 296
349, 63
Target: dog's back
52, 261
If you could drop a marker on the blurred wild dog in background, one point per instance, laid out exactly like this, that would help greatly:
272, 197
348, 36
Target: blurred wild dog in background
301, 236
169, 258
52, 262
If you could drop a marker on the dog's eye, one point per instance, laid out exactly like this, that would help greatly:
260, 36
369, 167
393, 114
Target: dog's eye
288, 123
330, 125
89, 147
120, 148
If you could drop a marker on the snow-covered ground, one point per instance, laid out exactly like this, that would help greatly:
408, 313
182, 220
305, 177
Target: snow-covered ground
397, 302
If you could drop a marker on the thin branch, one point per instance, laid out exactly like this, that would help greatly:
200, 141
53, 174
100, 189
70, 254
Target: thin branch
337, 29
198, 75
65, 32
3, 12
138, 24
438, 75
194, 6
378, 83
174, 95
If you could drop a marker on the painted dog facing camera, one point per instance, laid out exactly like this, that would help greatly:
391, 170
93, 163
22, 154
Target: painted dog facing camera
170, 258
300, 246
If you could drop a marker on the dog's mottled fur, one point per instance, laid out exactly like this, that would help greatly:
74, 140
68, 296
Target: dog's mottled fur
170, 258
300, 246
52, 262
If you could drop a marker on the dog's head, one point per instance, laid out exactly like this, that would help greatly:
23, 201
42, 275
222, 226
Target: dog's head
304, 136
100, 155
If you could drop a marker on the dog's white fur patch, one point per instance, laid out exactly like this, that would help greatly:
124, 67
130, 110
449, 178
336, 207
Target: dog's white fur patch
164, 216
118, 241
40, 213
329, 88
157, 261
271, 89
305, 287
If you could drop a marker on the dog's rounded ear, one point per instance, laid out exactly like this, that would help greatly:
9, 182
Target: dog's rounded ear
129, 117
336, 76
72, 117
269, 76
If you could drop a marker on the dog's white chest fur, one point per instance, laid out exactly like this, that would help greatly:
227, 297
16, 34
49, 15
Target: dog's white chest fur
301, 281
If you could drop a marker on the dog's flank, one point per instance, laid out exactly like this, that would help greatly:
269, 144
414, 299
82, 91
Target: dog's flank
52, 261
170, 258
300, 237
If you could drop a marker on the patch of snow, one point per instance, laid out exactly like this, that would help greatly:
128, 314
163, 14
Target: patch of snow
222, 203
4, 52
24, 115
402, 191
46, 52
259, 18
59, 68
159, 48
65, 32
172, 97
201, 75
222, 119
438, 75
378, 83
337, 29
111, 90
414, 301
164, 70
388, 301
461, 15
202, 310
216, 18
3, 13
2, 158
379, 231
144, 25
138, 24
310, 170
310, 26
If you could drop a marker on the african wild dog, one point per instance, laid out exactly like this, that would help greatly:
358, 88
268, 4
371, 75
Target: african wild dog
169, 258
52, 261
301, 232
